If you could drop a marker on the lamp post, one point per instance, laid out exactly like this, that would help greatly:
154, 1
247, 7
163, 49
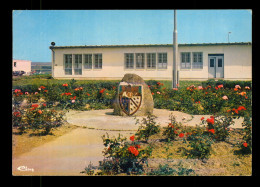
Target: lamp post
175, 72
228, 36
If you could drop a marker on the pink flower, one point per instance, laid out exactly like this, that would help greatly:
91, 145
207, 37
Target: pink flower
175, 88
17, 91
73, 101
225, 97
237, 87
200, 87
36, 93
247, 87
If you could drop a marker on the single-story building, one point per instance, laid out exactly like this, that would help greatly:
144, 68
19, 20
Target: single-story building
22, 65
229, 61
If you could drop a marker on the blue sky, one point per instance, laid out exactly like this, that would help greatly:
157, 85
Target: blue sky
34, 30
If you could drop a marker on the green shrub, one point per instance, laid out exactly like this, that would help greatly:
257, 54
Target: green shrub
38, 117
200, 143
147, 128
246, 144
166, 170
219, 126
122, 156
172, 131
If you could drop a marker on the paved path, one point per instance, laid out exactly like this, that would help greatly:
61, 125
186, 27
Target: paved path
69, 154
104, 119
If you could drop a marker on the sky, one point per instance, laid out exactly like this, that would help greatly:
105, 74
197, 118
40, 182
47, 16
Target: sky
34, 30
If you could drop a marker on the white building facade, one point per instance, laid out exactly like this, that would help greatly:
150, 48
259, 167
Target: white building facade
229, 61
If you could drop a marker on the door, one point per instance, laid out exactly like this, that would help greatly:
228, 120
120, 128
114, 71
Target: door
212, 65
219, 67
216, 66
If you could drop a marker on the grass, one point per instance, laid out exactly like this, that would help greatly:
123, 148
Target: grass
223, 161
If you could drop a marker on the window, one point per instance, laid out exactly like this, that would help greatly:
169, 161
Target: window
197, 60
185, 61
212, 63
129, 60
68, 64
98, 61
78, 64
139, 60
162, 60
219, 62
88, 61
151, 60
14, 64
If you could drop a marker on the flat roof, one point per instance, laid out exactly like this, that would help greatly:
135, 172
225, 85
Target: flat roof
150, 45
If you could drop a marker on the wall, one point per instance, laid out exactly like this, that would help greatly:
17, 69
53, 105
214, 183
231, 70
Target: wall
237, 62
22, 65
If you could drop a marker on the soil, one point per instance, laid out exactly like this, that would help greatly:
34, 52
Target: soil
29, 140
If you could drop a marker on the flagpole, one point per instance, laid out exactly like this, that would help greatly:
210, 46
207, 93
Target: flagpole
175, 72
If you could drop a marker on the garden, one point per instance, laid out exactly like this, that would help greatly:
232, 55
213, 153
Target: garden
40, 103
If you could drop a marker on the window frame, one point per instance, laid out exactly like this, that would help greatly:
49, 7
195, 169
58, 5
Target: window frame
65, 68
198, 63
76, 67
162, 62
127, 63
184, 60
151, 60
137, 65
99, 64
88, 64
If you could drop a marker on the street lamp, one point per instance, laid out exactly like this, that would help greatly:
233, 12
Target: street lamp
228, 36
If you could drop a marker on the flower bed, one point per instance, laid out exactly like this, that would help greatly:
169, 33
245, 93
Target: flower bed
191, 146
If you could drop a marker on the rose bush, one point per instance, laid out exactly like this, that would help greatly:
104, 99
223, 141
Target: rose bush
122, 156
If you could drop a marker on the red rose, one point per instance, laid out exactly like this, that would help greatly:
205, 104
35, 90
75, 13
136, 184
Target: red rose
132, 138
102, 91
212, 131
202, 118
181, 135
241, 108
17, 114
210, 120
133, 150
35, 105
65, 85
245, 144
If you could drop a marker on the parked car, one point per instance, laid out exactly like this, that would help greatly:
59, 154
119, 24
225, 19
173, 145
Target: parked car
18, 73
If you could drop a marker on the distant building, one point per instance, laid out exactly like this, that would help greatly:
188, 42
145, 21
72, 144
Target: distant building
229, 61
41, 67
22, 65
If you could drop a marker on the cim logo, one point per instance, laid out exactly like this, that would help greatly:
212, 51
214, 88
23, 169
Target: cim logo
25, 168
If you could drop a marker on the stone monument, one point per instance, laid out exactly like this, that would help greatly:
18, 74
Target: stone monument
133, 97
